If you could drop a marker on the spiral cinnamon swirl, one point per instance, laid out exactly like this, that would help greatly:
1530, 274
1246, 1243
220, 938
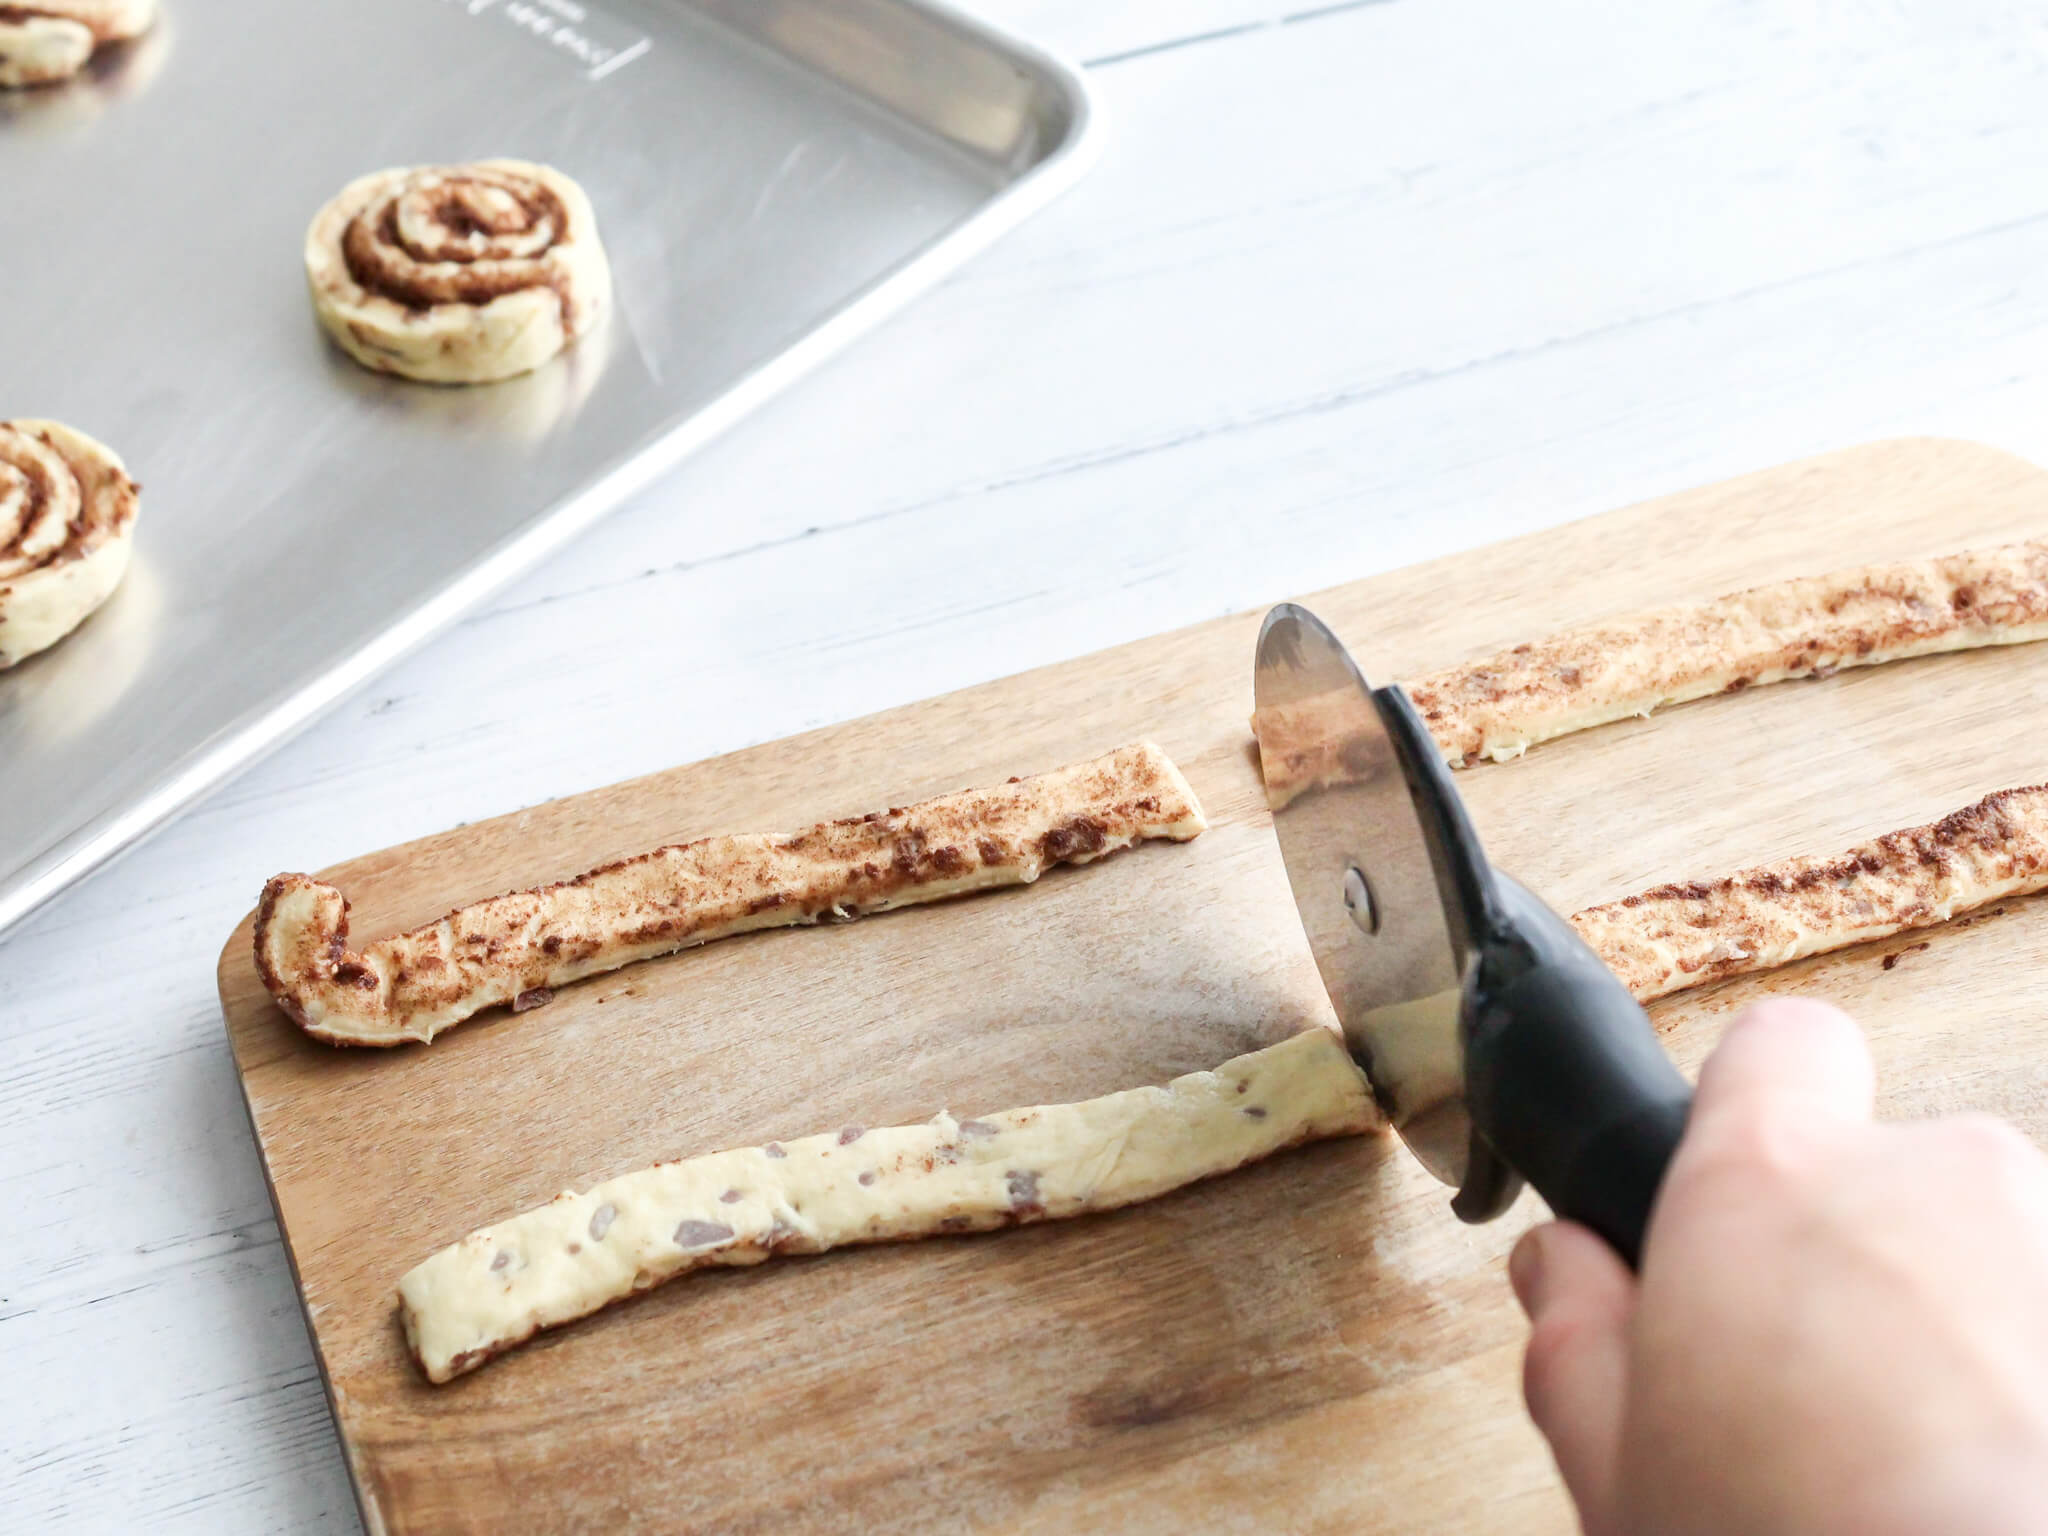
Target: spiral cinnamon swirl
67, 514
458, 274
43, 41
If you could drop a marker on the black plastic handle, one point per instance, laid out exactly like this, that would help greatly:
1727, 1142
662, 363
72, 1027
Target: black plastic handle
1564, 1077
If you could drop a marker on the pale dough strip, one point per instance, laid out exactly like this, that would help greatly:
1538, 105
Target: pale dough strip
580, 1252
515, 948
1684, 935
1500, 706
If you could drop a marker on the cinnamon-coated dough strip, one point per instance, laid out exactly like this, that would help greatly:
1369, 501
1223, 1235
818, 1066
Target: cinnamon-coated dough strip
1690, 933
1810, 626
1501, 705
516, 948
580, 1252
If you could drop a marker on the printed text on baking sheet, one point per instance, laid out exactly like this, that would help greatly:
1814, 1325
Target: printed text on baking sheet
596, 43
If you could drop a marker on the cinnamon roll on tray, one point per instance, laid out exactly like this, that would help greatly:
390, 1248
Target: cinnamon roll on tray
67, 517
45, 41
458, 274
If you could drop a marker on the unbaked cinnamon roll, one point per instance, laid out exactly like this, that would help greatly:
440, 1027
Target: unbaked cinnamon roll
458, 274
43, 41
67, 515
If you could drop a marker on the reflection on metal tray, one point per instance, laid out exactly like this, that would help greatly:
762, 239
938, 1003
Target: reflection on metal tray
770, 176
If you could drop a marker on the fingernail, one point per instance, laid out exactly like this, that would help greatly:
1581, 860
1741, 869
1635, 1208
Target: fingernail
1525, 1269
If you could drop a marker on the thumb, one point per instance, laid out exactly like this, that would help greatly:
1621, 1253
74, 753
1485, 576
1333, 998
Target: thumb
1791, 1060
1579, 1297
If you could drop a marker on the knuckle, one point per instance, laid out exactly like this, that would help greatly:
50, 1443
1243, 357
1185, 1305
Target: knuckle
1996, 1147
1759, 1145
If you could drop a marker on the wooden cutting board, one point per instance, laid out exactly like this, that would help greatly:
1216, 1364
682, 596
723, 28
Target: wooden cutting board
1313, 1344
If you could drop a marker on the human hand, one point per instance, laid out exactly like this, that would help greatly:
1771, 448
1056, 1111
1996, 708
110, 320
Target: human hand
1840, 1329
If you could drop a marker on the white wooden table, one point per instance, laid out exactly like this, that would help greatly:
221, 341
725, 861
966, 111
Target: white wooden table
1351, 287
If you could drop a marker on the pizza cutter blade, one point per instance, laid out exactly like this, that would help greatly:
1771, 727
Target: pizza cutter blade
1498, 1044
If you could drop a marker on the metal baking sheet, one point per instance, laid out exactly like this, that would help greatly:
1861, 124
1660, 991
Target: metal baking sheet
770, 177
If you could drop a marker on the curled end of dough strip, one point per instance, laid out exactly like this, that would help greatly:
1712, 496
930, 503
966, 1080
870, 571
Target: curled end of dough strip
302, 954
67, 518
517, 948
458, 274
43, 42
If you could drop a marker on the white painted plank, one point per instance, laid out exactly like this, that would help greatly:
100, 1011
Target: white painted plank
1344, 293
1231, 266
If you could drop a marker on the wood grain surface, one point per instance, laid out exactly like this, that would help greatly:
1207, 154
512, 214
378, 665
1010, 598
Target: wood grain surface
1313, 1344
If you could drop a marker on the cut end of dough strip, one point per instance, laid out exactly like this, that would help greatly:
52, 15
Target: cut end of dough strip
581, 1252
517, 948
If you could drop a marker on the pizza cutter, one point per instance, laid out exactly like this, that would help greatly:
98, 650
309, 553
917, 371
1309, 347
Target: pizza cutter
1496, 1041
